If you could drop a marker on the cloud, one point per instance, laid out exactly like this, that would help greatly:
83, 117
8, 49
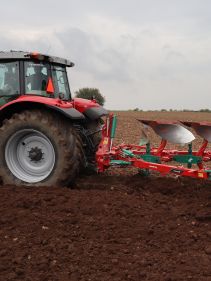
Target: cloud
92, 56
147, 54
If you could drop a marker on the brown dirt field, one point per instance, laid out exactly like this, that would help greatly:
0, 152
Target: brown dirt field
116, 226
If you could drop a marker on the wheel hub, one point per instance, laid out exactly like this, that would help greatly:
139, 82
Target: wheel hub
35, 154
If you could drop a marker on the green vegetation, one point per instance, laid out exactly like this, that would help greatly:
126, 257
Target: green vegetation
169, 110
90, 94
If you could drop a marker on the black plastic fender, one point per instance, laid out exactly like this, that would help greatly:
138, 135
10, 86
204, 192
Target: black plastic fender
94, 113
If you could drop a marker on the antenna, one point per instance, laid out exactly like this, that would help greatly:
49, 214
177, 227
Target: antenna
47, 52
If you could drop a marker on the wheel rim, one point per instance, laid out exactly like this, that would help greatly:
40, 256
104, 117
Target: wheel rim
30, 155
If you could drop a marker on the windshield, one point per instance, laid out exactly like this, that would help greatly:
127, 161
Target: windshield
60, 82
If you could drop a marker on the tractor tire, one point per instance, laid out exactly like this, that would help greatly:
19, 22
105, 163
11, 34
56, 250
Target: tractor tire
39, 148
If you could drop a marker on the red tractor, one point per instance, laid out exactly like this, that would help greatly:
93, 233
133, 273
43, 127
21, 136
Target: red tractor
47, 137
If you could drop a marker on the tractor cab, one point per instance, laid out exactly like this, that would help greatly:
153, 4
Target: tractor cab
33, 74
46, 136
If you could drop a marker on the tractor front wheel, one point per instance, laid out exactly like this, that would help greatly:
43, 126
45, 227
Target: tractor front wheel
39, 148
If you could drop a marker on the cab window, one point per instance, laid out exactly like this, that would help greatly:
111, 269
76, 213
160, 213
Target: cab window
36, 78
9, 79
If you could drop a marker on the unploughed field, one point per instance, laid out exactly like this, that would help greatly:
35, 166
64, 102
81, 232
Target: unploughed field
116, 226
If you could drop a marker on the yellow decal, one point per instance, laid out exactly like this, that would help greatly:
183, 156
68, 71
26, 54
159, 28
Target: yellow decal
105, 141
200, 175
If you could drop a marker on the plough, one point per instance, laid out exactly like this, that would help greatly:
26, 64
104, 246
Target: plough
48, 137
146, 157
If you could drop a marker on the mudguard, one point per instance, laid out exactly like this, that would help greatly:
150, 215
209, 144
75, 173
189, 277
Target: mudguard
77, 109
30, 102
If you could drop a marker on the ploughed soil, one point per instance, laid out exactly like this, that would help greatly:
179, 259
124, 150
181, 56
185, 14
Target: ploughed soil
116, 226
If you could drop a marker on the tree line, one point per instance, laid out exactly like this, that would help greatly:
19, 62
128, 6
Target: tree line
94, 94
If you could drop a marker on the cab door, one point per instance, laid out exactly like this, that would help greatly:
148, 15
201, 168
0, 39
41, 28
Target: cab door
9, 81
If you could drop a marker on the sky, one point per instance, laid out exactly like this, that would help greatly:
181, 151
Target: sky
146, 54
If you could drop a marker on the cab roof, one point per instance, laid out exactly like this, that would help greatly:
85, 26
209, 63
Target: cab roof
21, 55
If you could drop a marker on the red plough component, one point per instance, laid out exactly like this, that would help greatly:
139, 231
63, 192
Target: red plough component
148, 158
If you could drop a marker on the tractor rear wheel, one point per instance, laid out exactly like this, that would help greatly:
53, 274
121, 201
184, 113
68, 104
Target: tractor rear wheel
39, 148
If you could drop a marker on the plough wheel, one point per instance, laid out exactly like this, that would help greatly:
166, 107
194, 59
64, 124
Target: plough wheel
39, 148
